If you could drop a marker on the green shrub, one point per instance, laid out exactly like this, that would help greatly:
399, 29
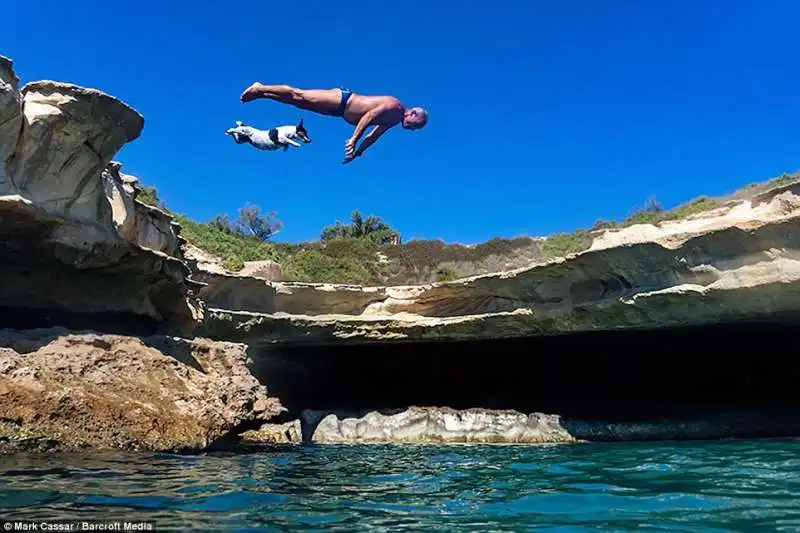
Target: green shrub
753, 189
232, 248
604, 224
563, 244
371, 228
698, 205
360, 252
233, 263
149, 195
446, 274
315, 266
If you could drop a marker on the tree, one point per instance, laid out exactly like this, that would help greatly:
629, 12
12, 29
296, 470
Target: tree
252, 222
372, 228
249, 223
223, 223
652, 205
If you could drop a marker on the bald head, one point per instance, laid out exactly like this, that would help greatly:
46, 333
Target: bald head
415, 118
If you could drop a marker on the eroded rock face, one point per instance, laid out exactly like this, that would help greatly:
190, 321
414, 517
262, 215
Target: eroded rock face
251, 294
139, 223
72, 235
62, 391
442, 425
286, 433
722, 268
69, 136
423, 425
266, 270
10, 117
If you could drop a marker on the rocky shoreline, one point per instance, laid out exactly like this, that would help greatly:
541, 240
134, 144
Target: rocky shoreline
420, 425
67, 391
116, 333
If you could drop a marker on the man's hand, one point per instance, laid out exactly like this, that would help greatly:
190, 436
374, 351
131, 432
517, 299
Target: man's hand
368, 141
349, 150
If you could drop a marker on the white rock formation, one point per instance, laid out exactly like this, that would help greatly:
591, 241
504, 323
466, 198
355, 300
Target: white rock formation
73, 236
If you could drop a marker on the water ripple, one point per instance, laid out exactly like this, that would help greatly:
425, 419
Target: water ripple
709, 487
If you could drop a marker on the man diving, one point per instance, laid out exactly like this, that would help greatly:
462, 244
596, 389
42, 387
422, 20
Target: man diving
382, 112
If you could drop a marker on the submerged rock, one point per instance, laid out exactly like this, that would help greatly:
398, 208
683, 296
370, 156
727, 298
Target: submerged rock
270, 433
68, 391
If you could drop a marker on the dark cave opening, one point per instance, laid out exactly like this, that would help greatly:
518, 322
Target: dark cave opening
115, 323
613, 376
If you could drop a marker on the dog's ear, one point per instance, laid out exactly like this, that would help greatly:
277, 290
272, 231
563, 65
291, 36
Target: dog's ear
300, 124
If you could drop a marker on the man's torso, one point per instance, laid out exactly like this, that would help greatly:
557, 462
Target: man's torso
359, 104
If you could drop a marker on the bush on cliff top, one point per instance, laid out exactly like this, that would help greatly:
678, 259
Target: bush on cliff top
360, 251
233, 248
371, 228
250, 223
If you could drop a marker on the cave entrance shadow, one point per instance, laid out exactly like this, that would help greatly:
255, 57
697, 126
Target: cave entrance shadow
52, 324
733, 372
116, 323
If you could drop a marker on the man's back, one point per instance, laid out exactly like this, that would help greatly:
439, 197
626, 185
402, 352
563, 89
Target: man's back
359, 104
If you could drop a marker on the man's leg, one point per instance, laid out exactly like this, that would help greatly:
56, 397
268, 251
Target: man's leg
322, 101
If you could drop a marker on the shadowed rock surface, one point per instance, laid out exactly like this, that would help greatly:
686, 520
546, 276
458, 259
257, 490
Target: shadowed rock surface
718, 381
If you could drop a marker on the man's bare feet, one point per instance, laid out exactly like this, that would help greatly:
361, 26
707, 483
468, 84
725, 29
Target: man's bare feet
252, 92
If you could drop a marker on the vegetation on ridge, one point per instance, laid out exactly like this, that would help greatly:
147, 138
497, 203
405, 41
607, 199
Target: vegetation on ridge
368, 251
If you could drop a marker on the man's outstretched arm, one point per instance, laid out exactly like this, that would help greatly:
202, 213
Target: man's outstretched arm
368, 141
366, 120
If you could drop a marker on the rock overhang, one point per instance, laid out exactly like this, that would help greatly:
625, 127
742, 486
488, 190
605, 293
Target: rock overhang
72, 228
723, 275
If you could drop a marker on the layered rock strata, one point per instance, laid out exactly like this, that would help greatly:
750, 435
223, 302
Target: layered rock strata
75, 240
76, 246
72, 235
740, 262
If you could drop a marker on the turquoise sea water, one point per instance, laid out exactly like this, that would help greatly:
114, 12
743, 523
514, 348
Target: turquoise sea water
710, 487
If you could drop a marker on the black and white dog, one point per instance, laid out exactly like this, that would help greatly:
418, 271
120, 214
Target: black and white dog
272, 139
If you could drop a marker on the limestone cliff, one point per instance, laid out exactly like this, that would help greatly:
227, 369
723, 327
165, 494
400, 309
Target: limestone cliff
693, 291
76, 242
737, 262
77, 247
73, 236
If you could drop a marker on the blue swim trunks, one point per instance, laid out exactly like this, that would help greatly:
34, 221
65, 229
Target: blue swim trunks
346, 94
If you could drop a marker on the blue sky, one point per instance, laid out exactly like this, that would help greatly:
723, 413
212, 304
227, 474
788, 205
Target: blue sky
544, 115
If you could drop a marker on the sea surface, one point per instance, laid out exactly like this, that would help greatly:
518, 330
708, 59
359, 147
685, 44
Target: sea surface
740, 486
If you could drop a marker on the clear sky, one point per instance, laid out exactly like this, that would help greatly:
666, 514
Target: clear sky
545, 115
